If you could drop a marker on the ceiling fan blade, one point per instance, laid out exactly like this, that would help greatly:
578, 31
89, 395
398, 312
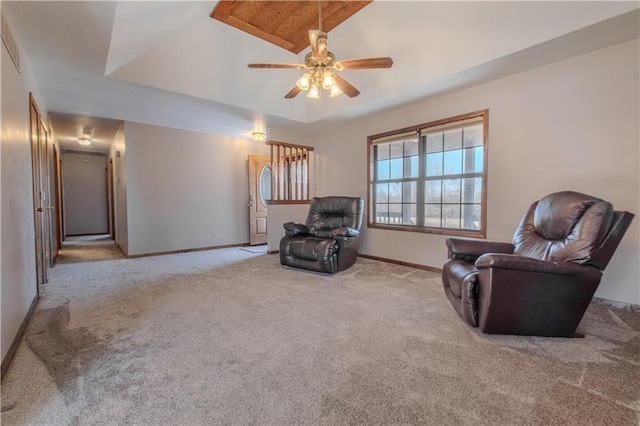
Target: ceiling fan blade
360, 64
345, 86
297, 66
318, 42
293, 93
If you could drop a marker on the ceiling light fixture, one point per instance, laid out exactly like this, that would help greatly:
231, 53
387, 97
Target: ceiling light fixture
259, 135
318, 77
84, 141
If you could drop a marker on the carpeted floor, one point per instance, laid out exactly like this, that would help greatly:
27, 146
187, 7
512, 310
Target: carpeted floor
88, 248
255, 249
231, 337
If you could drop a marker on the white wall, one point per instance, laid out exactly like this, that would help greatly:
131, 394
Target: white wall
182, 186
118, 153
572, 125
280, 214
17, 248
85, 193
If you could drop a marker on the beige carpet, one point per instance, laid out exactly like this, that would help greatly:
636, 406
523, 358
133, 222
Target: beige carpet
231, 337
255, 249
88, 248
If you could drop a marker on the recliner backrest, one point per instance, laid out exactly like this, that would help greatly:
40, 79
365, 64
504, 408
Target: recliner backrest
564, 227
328, 213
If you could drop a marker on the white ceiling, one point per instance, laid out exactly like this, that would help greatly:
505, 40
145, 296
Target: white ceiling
167, 63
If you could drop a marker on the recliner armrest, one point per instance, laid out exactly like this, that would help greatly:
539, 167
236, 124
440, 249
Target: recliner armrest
296, 228
470, 249
523, 263
345, 232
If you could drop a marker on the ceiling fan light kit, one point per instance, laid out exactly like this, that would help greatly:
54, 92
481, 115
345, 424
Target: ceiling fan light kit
317, 77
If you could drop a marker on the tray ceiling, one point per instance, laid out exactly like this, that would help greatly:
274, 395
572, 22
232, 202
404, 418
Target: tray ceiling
285, 23
168, 63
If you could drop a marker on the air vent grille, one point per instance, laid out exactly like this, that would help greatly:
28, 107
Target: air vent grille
10, 43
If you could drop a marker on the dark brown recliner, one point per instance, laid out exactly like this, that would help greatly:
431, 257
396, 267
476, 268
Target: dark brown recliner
329, 240
542, 284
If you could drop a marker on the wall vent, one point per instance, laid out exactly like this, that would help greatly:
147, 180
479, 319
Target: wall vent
9, 42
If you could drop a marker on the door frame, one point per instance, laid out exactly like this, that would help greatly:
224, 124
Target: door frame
45, 135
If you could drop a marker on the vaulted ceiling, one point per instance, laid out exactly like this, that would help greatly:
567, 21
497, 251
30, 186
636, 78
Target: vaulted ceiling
169, 63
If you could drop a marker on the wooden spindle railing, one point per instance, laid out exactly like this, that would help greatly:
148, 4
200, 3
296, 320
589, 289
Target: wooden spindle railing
290, 166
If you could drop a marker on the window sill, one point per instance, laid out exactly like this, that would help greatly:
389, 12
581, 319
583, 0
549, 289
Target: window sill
437, 231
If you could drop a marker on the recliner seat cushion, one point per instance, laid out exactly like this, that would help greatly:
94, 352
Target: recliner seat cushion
308, 248
563, 227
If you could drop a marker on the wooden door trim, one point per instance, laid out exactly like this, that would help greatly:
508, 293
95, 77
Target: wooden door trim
57, 195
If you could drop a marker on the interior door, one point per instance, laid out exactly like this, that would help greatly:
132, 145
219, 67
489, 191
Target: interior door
58, 202
111, 201
38, 196
43, 142
259, 194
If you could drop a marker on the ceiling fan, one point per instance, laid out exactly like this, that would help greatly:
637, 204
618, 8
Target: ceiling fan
320, 67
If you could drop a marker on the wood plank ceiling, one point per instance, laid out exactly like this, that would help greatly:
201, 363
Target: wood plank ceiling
285, 23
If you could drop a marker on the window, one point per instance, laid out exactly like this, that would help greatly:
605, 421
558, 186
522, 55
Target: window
431, 177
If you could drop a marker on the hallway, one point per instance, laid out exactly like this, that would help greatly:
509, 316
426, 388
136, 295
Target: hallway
88, 248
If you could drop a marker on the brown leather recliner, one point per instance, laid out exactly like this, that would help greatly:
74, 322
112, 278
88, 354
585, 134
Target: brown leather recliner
542, 284
329, 240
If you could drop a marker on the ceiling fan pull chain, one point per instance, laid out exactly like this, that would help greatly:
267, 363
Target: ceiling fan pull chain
320, 15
